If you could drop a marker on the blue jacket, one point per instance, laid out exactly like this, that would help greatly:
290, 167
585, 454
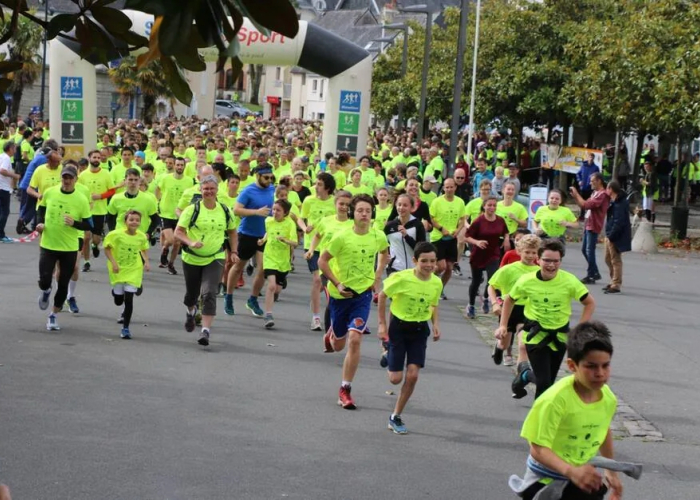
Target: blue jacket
617, 226
478, 177
38, 160
583, 176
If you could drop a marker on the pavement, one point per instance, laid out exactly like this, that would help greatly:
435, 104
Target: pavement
86, 415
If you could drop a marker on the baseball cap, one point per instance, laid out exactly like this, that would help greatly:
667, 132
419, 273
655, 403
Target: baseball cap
140, 154
69, 170
430, 179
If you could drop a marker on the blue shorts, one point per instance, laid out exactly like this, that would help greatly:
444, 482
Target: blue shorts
313, 262
408, 341
349, 314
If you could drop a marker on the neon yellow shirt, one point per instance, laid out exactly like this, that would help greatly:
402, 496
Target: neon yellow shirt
412, 299
447, 214
171, 190
57, 235
361, 189
44, 178
189, 196
473, 209
313, 210
549, 219
126, 250
97, 183
516, 209
508, 275
382, 216
144, 203
277, 255
210, 228
328, 227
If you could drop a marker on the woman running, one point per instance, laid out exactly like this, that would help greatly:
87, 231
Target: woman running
552, 220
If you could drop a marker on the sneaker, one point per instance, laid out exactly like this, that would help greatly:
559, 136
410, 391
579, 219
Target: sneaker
44, 297
241, 282
508, 360
20, 229
222, 290
345, 399
73, 305
396, 425
164, 258
612, 290
597, 276
139, 291
203, 338
486, 306
86, 267
316, 324
269, 321
471, 312
228, 304
52, 324
189, 321
443, 296
171, 270
456, 270
327, 345
95, 251
250, 269
588, 280
497, 355
126, 334
276, 297
520, 381
253, 306
384, 360
6, 239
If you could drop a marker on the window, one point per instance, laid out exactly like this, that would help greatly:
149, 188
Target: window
301, 112
320, 94
321, 116
278, 73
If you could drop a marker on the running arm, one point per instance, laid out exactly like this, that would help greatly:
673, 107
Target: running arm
588, 308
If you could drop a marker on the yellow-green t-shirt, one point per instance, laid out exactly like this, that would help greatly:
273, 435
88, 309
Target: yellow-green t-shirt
97, 183
516, 209
549, 220
328, 227
211, 229
508, 275
473, 209
353, 259
361, 189
171, 190
57, 235
277, 255
548, 302
189, 196
412, 299
118, 174
313, 210
126, 250
44, 178
428, 197
382, 215
27, 148
447, 214
144, 203
340, 179
561, 421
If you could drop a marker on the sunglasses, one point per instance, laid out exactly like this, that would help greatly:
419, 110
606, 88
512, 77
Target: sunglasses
266, 177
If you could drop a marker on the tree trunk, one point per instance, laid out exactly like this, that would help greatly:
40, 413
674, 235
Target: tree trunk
148, 107
255, 71
637, 157
16, 102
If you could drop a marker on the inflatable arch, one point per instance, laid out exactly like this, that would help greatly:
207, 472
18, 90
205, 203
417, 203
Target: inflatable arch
72, 82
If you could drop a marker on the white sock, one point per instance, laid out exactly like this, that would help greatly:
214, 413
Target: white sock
394, 415
317, 316
71, 288
191, 311
345, 383
205, 329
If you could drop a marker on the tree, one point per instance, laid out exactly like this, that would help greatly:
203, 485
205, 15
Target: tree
22, 49
129, 79
255, 71
181, 27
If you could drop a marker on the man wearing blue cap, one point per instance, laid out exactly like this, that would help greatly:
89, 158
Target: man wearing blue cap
253, 206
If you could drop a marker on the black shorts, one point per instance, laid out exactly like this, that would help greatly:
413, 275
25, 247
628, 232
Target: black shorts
313, 262
81, 241
408, 342
248, 246
517, 317
280, 277
98, 224
168, 223
447, 250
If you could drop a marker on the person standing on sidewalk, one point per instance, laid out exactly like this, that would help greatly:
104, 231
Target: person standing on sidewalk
7, 175
619, 235
595, 209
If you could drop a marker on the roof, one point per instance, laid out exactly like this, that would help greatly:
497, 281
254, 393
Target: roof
356, 26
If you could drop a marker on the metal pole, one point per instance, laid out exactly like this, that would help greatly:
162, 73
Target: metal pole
457, 91
617, 156
474, 61
404, 62
424, 78
43, 63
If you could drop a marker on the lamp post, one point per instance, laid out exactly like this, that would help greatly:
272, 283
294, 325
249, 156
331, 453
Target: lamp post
404, 62
43, 61
457, 91
423, 9
474, 61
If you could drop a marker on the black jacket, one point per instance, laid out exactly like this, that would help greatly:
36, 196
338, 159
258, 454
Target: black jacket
617, 225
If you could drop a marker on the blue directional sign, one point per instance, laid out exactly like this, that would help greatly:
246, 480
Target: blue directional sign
71, 87
350, 100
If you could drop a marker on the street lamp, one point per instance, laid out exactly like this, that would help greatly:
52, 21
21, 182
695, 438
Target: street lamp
474, 61
457, 91
43, 60
423, 9
404, 61
383, 41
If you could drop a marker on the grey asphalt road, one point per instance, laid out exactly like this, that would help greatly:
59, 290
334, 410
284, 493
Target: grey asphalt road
85, 415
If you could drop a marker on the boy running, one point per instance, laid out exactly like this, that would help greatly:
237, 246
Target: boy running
415, 295
127, 254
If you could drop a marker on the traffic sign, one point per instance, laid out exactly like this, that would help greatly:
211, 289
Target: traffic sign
115, 106
350, 100
72, 133
348, 123
71, 87
72, 110
347, 143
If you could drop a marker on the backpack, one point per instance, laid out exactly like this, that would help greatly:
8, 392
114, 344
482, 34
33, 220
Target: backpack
193, 223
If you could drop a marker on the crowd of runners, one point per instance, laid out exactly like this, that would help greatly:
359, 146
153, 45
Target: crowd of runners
232, 201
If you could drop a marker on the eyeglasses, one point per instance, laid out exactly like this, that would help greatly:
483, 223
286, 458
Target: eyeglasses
266, 177
551, 261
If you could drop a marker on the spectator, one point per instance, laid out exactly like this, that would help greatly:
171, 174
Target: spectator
618, 234
595, 209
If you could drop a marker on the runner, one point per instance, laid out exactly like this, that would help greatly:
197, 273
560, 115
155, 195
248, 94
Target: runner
127, 254
447, 215
133, 199
349, 265
98, 181
552, 220
202, 228
415, 295
64, 211
548, 294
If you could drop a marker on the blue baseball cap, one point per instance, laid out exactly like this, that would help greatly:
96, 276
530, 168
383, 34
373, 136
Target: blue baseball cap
140, 154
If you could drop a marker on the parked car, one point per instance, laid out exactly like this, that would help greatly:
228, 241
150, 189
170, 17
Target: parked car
230, 108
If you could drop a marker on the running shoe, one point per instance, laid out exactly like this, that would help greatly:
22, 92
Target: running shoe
171, 270
456, 270
497, 355
222, 290
73, 305
384, 360
520, 381
241, 282
139, 291
486, 306
126, 334
316, 324
277, 297
588, 280
508, 360
345, 399
203, 338
44, 297
20, 229
228, 304
250, 269
471, 312
327, 345
52, 323
443, 296
397, 425
189, 321
6, 239
95, 251
253, 306
269, 321
86, 267
597, 276
164, 259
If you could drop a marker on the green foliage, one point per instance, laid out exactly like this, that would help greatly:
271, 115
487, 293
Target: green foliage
128, 78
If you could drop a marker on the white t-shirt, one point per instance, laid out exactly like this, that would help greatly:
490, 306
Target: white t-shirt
6, 164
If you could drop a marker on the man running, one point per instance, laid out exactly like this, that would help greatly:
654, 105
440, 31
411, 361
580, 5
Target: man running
447, 214
98, 181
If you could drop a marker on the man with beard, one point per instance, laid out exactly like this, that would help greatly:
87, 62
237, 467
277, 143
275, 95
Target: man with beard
98, 181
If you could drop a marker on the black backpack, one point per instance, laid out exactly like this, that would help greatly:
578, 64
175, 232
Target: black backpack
193, 223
